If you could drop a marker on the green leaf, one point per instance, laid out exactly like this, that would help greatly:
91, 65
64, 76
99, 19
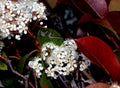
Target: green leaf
114, 5
3, 66
23, 60
49, 35
10, 83
44, 81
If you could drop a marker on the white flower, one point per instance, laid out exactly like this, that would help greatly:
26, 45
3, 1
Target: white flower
36, 65
61, 59
82, 66
70, 43
85, 59
17, 37
46, 49
18, 14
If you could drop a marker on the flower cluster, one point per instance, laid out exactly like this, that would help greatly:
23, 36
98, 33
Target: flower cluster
36, 65
47, 49
60, 60
15, 16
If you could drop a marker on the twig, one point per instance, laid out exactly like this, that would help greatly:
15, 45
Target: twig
34, 37
15, 57
64, 82
88, 76
15, 72
34, 75
35, 24
31, 85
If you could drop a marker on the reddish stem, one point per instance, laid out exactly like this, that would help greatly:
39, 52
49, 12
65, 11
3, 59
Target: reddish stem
13, 44
31, 85
35, 24
34, 37
18, 53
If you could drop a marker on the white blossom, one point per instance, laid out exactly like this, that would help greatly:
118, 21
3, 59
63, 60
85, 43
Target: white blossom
18, 14
36, 65
86, 60
60, 60
82, 66
70, 43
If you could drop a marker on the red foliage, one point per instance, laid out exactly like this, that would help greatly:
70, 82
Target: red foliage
96, 8
100, 54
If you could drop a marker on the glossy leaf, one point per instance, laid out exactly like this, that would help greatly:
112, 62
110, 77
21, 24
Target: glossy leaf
114, 5
23, 60
49, 35
100, 54
45, 82
3, 66
108, 24
93, 7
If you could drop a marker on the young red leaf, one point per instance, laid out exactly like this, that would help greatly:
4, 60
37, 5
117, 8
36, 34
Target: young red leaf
100, 54
93, 7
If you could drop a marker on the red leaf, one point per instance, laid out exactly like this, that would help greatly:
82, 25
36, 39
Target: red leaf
93, 7
114, 20
105, 23
100, 54
85, 18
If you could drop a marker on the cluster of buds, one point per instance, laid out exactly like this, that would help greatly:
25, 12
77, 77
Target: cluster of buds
60, 60
16, 15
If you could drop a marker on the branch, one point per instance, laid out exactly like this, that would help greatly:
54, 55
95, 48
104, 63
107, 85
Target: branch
34, 75
14, 71
34, 37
